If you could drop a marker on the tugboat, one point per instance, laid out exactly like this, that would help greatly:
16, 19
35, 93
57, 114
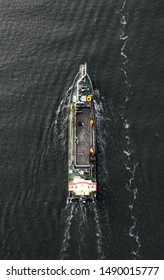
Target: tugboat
82, 184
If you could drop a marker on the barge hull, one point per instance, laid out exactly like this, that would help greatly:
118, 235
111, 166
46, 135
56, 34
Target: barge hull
82, 184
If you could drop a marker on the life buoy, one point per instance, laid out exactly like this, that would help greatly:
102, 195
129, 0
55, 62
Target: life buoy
91, 122
89, 98
92, 150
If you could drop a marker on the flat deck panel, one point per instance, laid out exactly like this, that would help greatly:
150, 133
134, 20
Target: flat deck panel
82, 137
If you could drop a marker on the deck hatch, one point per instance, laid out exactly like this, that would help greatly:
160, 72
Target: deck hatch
83, 137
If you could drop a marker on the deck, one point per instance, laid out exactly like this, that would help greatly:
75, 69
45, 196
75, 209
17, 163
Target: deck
82, 142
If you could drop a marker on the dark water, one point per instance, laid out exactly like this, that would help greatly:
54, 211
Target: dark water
42, 44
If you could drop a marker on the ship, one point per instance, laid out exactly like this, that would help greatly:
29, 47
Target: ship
82, 183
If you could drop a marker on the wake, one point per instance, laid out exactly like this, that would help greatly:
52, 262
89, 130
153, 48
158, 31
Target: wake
130, 165
68, 212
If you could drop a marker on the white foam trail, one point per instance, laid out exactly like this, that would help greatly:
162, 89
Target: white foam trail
57, 128
64, 104
134, 235
124, 71
136, 253
128, 139
123, 37
82, 226
59, 125
123, 20
99, 235
126, 125
130, 166
131, 234
135, 191
126, 61
128, 153
124, 55
61, 114
123, 5
65, 242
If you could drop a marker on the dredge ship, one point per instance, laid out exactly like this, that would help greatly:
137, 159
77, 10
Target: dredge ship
82, 185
